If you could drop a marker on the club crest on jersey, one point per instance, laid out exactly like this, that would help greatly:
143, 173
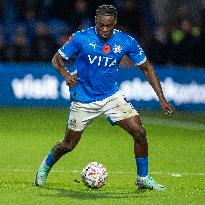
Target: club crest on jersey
106, 49
117, 49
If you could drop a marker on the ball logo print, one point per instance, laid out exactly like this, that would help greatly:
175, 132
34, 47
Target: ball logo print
94, 175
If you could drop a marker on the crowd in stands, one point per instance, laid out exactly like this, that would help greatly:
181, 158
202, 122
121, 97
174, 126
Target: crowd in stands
33, 30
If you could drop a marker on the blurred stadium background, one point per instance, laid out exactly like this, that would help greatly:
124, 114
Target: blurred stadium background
171, 33
34, 101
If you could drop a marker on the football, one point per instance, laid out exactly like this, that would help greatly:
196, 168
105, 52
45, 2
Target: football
94, 175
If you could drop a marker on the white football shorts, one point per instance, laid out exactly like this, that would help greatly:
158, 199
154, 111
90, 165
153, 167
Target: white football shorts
114, 108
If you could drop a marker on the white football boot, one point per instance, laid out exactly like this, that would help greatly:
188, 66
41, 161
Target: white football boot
148, 183
42, 173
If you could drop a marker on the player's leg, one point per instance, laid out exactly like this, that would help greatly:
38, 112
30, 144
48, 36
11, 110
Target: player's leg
69, 142
135, 128
78, 119
122, 113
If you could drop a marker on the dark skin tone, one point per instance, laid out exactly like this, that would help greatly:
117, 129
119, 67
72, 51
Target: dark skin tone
105, 26
133, 125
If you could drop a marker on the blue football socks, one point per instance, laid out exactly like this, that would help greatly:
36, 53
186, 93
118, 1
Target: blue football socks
50, 160
142, 166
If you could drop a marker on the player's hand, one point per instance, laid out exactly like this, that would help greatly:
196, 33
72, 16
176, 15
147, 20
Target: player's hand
166, 107
71, 80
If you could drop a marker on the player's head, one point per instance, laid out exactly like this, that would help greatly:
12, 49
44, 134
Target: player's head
105, 20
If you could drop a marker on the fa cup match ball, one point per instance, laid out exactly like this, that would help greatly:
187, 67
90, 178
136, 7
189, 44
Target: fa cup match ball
94, 175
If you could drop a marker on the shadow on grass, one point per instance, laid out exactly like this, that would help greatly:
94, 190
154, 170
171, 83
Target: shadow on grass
93, 194
80, 193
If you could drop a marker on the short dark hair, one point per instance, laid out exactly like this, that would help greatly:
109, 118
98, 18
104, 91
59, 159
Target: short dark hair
106, 10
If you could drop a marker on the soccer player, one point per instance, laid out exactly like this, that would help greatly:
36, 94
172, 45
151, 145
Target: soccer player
94, 90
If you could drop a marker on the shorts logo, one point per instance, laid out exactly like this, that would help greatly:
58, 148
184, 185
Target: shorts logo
73, 122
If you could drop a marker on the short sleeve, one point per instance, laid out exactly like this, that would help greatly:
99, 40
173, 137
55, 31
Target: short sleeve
70, 48
135, 52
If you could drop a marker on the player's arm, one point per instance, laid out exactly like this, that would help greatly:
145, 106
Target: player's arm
58, 63
152, 77
137, 55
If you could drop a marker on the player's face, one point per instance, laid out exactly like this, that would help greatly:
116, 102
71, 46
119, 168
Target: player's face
105, 26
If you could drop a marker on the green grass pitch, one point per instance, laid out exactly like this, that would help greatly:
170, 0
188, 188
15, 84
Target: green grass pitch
176, 156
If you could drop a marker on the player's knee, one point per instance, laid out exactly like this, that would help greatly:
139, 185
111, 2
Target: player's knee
139, 134
138, 130
68, 147
142, 131
63, 147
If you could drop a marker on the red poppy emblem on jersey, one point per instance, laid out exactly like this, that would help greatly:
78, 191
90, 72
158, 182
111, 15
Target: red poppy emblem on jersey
106, 49
69, 38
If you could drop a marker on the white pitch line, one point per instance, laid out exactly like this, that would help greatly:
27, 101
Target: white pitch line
174, 174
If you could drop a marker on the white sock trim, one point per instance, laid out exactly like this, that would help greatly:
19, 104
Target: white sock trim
142, 177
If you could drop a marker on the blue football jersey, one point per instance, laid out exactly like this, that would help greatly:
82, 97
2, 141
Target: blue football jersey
97, 62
